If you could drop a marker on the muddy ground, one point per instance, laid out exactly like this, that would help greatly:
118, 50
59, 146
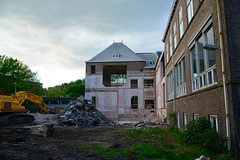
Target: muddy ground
18, 143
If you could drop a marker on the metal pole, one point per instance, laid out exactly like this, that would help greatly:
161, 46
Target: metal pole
224, 78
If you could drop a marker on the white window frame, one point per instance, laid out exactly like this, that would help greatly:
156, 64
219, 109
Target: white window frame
115, 55
196, 116
175, 34
170, 87
167, 51
180, 77
170, 43
212, 118
190, 10
185, 120
180, 15
178, 120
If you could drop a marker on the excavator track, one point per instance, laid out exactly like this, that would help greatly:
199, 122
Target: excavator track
12, 119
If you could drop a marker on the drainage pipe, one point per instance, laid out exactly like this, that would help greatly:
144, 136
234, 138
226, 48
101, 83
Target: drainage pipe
226, 103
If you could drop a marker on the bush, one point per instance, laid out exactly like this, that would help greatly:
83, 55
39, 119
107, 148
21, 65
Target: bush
172, 119
199, 133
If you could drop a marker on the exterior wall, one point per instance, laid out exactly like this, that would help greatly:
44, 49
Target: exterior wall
161, 110
115, 102
209, 100
231, 19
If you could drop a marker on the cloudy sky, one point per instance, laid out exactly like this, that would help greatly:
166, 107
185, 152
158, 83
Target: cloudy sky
56, 37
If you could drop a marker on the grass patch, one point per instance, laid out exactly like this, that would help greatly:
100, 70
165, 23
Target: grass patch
154, 143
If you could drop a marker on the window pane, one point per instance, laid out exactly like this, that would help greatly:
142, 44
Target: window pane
134, 102
180, 75
204, 79
215, 75
211, 54
181, 29
183, 69
201, 82
134, 83
209, 78
193, 62
176, 75
148, 83
200, 54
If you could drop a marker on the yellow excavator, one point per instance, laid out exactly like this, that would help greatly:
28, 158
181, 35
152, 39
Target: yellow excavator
13, 112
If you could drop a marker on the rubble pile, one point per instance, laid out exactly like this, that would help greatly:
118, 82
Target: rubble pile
82, 113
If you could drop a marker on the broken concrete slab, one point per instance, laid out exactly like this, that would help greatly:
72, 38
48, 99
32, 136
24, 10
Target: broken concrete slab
82, 113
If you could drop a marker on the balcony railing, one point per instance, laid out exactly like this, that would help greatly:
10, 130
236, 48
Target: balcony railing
181, 90
205, 79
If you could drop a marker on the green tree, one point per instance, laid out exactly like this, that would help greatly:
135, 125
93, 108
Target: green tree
72, 89
14, 72
75, 90
54, 92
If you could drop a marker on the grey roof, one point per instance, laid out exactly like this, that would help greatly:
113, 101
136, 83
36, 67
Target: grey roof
125, 53
151, 56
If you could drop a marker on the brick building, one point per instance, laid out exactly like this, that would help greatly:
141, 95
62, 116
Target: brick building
195, 79
161, 109
121, 83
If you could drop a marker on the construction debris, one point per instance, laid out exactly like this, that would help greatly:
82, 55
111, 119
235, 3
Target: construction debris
82, 113
46, 130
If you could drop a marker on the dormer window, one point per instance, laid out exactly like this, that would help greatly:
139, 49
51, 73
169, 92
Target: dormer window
115, 55
150, 62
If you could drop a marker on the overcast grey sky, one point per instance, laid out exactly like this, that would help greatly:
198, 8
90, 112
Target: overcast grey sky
56, 37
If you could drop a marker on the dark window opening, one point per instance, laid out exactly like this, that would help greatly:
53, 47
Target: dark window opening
134, 102
114, 75
93, 101
92, 69
148, 83
134, 83
149, 104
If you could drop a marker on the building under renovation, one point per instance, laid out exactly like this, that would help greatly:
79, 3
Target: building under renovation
121, 83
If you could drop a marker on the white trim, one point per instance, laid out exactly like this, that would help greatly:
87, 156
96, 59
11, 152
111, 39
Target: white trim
185, 120
211, 118
178, 120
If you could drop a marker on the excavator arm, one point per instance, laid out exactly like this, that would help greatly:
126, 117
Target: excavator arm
25, 95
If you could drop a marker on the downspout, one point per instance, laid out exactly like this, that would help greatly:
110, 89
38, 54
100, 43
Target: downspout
224, 77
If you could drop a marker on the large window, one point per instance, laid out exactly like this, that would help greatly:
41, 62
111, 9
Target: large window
148, 83
94, 101
149, 104
178, 120
214, 121
92, 69
180, 15
175, 34
114, 75
190, 9
203, 62
134, 102
170, 43
118, 79
185, 119
180, 77
134, 83
167, 51
170, 85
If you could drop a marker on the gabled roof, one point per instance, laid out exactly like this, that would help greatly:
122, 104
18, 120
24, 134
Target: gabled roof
150, 59
125, 54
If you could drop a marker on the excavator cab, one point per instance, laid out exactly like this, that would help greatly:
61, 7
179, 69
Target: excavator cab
12, 111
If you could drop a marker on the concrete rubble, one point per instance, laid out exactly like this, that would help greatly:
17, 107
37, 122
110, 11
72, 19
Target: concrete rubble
81, 113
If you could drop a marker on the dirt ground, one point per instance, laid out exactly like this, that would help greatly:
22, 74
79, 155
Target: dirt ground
18, 143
